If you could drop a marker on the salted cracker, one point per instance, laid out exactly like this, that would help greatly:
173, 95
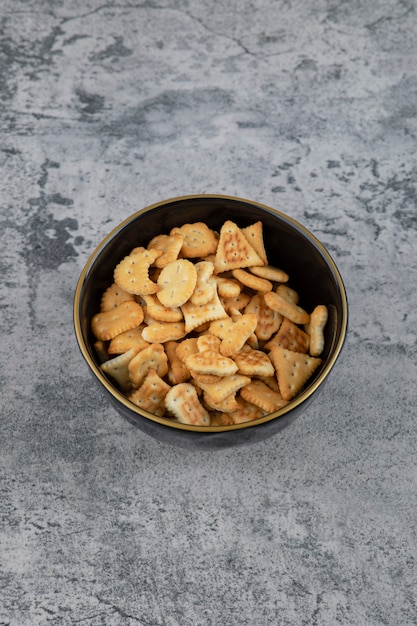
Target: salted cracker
129, 340
176, 283
199, 240
224, 387
254, 235
262, 396
168, 245
293, 370
151, 394
233, 333
159, 312
132, 273
152, 357
108, 324
253, 363
197, 315
113, 296
289, 336
234, 250
183, 402
205, 287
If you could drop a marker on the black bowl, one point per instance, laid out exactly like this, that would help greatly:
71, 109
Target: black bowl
290, 247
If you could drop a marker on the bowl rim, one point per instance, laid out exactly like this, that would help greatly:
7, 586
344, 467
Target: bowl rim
142, 414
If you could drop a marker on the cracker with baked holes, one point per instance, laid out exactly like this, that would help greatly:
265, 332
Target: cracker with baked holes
208, 342
152, 357
132, 273
254, 235
291, 337
169, 245
178, 372
233, 333
269, 272
161, 313
204, 378
251, 281
224, 387
197, 315
234, 250
183, 402
293, 370
129, 340
318, 321
227, 287
253, 363
270, 381
288, 293
261, 395
151, 394
160, 332
113, 296
245, 412
286, 308
211, 362
118, 369
199, 240
237, 302
204, 288
108, 324
187, 347
227, 405
176, 283
268, 321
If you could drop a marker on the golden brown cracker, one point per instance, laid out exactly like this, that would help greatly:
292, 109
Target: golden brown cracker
197, 315
233, 333
132, 273
268, 321
118, 369
152, 357
286, 308
151, 394
176, 283
254, 235
253, 363
178, 372
205, 287
161, 313
168, 245
129, 340
251, 281
270, 273
245, 412
261, 395
291, 337
224, 387
199, 240
183, 402
234, 250
293, 370
113, 296
318, 321
211, 362
108, 324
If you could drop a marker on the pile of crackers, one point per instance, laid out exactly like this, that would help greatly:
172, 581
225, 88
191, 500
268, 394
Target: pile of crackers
199, 328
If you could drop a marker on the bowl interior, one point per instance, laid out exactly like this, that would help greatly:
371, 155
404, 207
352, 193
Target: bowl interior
288, 244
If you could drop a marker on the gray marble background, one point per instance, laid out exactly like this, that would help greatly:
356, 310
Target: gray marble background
106, 107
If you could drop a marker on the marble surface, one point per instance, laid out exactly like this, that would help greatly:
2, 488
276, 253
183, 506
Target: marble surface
107, 107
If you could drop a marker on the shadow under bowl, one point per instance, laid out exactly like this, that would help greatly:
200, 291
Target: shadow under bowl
289, 245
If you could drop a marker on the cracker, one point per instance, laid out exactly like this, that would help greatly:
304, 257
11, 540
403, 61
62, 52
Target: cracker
233, 333
204, 378
208, 342
160, 332
251, 281
245, 412
118, 369
161, 313
129, 340
197, 315
270, 273
293, 370
169, 246
227, 287
286, 308
113, 296
183, 402
108, 324
234, 250
318, 321
176, 283
178, 372
268, 321
254, 235
291, 337
151, 394
217, 418
132, 273
187, 347
262, 396
237, 302
253, 362
211, 362
227, 405
152, 357
288, 293
205, 288
224, 387
199, 240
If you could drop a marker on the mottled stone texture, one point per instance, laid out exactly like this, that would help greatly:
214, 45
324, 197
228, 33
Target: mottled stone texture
106, 107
